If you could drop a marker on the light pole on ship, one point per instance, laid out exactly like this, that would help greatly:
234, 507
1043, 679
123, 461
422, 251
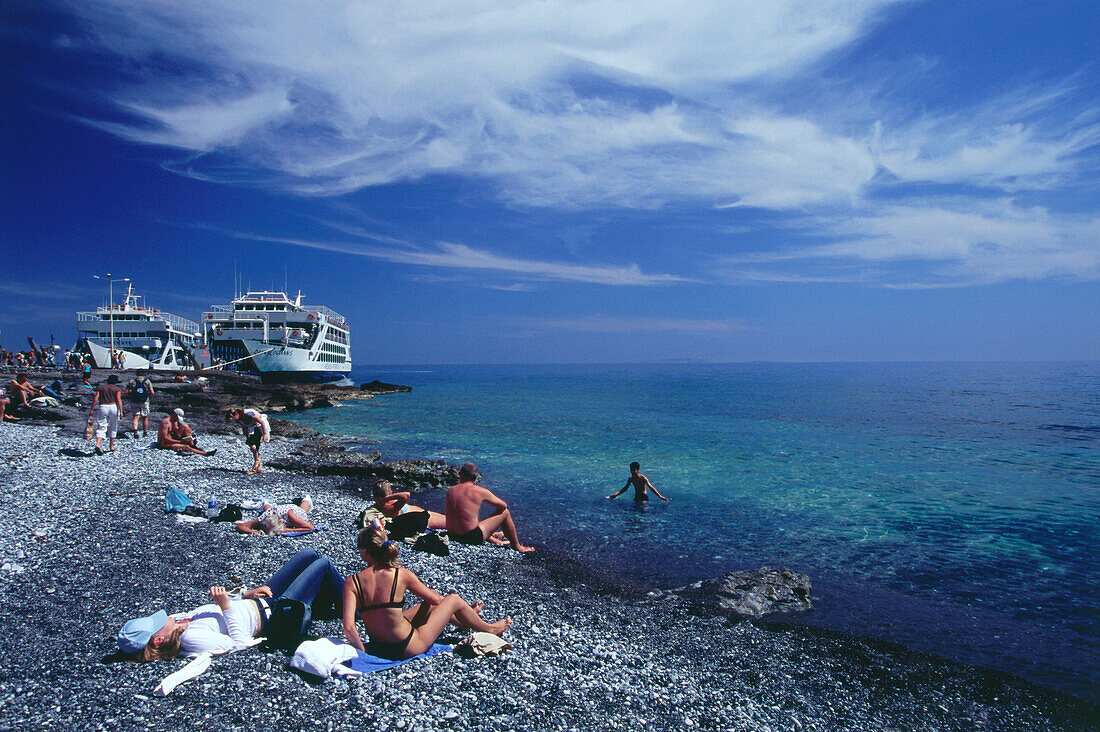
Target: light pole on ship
111, 308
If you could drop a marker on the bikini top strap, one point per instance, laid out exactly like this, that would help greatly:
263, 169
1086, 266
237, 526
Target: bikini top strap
358, 591
393, 590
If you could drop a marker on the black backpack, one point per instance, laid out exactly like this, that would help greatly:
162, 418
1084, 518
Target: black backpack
287, 626
139, 390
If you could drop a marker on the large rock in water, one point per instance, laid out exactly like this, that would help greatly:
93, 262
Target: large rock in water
752, 593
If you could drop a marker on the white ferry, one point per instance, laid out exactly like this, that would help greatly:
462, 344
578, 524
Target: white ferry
278, 339
143, 337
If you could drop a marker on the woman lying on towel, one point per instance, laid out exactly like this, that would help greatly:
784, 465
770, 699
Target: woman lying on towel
228, 624
377, 593
276, 520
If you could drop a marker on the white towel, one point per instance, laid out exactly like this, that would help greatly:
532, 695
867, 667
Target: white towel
325, 657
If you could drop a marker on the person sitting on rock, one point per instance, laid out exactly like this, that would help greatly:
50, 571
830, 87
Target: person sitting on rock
463, 507
276, 520
229, 624
641, 485
396, 633
174, 434
22, 391
391, 505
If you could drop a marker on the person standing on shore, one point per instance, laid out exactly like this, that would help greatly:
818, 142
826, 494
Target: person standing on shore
256, 429
86, 372
463, 506
106, 410
641, 485
140, 389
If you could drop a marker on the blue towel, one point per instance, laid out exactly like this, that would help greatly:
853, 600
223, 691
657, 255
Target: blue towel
366, 663
303, 532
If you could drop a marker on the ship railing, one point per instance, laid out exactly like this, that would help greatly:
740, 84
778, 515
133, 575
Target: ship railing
329, 313
175, 322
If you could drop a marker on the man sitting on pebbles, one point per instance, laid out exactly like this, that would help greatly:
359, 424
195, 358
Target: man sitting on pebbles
463, 506
175, 435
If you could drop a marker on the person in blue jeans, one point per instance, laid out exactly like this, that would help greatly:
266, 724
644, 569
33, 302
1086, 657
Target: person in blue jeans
229, 624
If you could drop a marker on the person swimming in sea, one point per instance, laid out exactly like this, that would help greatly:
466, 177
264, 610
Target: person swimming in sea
641, 485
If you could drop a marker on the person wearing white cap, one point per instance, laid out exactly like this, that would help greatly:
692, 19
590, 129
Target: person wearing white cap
174, 434
227, 625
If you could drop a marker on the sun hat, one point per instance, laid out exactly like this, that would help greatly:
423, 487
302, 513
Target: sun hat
135, 634
179, 412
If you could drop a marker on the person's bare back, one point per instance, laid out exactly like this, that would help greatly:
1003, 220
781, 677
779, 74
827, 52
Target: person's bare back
463, 509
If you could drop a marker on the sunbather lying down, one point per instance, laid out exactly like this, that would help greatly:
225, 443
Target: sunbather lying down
396, 633
227, 624
275, 520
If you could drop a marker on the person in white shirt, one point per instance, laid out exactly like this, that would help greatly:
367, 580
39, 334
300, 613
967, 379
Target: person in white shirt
257, 430
228, 624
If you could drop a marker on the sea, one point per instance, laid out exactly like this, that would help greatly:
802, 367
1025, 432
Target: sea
949, 507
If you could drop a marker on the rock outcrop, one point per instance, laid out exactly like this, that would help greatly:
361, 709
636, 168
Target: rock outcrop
329, 456
750, 593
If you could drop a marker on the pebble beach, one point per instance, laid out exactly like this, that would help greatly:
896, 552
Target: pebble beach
88, 545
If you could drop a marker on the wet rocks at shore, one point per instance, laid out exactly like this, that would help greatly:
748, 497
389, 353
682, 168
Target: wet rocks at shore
328, 456
751, 593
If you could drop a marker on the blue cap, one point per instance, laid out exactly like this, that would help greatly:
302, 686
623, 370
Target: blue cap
137, 632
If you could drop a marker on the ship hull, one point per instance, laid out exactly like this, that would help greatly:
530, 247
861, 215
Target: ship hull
278, 364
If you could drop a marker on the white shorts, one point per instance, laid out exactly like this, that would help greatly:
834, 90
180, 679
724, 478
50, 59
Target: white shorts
140, 409
106, 420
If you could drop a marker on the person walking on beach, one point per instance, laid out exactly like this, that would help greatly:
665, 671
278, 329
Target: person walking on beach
86, 372
463, 507
139, 390
257, 430
641, 485
106, 411
176, 435
396, 633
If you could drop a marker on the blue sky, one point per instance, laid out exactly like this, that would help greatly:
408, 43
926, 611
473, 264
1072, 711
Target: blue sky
562, 181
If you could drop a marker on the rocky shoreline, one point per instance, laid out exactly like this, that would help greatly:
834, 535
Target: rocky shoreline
89, 545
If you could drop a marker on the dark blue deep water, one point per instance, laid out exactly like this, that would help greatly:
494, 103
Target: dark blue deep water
952, 508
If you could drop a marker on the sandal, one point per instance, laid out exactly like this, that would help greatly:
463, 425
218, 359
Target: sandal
253, 472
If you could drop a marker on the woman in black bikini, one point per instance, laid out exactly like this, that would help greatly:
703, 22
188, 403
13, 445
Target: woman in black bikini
396, 633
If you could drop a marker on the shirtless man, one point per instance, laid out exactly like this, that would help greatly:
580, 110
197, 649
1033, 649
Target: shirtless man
462, 508
641, 485
22, 391
175, 435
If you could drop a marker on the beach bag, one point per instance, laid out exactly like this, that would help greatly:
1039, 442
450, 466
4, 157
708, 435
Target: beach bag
288, 623
433, 543
89, 430
408, 524
176, 501
232, 512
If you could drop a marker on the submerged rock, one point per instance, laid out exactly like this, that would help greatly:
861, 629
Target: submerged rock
751, 593
381, 387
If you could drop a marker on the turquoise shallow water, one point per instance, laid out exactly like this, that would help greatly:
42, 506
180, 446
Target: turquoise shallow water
949, 507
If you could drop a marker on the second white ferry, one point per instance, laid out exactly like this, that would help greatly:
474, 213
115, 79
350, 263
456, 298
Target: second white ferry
142, 337
278, 339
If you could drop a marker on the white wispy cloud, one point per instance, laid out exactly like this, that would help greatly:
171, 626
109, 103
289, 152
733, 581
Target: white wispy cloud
462, 257
572, 105
942, 246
